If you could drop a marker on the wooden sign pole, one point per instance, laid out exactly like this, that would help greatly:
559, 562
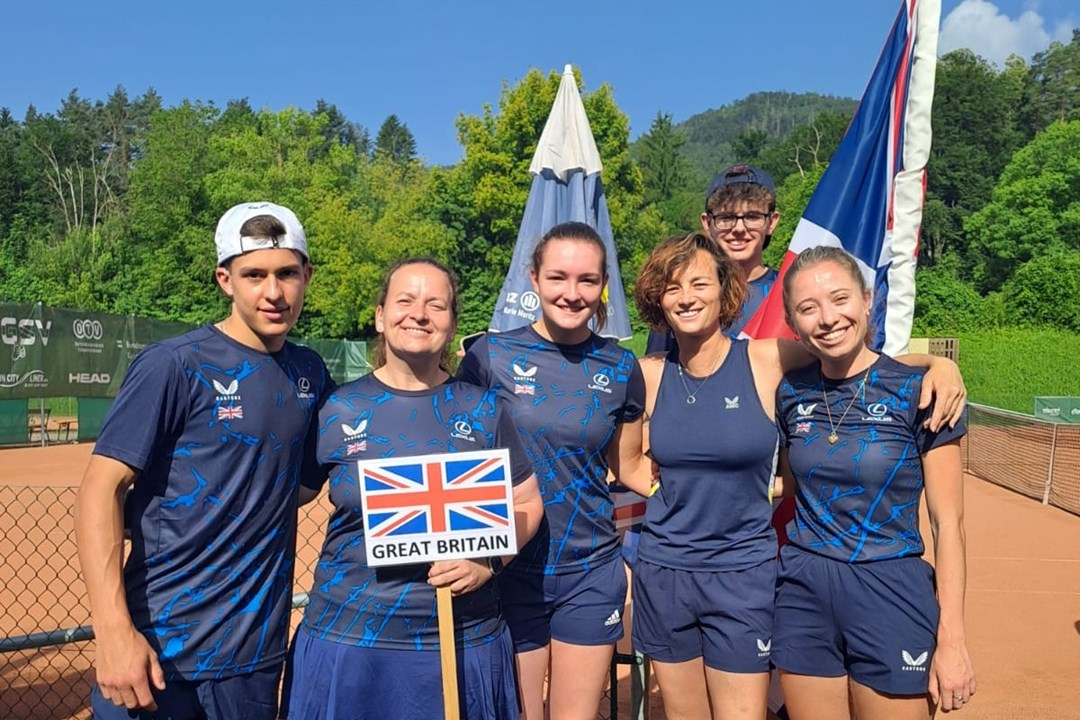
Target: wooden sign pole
448, 654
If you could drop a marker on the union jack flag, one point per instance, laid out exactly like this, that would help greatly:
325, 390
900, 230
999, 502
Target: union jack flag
356, 447
230, 412
803, 428
524, 389
436, 493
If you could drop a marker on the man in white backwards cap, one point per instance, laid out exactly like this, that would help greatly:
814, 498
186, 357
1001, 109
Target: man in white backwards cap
213, 433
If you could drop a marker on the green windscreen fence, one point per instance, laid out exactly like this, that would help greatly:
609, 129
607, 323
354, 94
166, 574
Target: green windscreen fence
1058, 409
14, 420
48, 352
92, 413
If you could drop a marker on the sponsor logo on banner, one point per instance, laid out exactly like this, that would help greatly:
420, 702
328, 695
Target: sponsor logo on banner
527, 302
85, 378
29, 379
87, 329
437, 507
86, 332
24, 331
130, 348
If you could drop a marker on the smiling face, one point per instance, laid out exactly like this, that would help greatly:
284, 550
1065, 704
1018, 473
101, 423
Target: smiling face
267, 291
727, 226
569, 282
691, 299
829, 310
417, 318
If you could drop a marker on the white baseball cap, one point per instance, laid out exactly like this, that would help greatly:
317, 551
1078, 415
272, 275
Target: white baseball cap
230, 242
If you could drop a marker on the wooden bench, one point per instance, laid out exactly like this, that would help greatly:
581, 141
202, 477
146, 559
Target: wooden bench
38, 421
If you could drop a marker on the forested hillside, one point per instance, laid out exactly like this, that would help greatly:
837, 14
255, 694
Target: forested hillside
110, 203
718, 138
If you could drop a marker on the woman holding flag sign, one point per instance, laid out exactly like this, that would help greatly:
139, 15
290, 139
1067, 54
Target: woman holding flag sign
368, 646
705, 576
576, 399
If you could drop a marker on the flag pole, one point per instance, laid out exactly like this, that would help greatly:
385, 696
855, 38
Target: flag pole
448, 653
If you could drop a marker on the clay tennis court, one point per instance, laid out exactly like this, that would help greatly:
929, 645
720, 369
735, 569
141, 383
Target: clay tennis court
1023, 602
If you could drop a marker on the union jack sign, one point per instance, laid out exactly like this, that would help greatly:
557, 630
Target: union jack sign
437, 507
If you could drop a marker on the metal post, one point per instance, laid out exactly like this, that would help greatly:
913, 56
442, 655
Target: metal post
639, 687
41, 420
1050, 467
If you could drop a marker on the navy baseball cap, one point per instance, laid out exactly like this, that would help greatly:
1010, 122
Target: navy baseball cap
739, 174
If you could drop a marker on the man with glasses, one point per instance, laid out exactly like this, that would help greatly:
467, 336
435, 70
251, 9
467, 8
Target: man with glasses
740, 216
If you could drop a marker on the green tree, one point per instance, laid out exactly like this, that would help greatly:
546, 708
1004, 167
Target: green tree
1052, 91
659, 154
976, 131
482, 199
395, 141
946, 305
805, 147
1034, 209
1046, 291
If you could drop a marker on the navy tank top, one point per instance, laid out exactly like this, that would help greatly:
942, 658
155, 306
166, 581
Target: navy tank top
717, 457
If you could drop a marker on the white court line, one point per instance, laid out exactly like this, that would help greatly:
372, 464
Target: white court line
1026, 559
1024, 592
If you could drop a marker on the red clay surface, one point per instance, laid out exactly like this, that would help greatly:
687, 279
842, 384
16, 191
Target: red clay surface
1023, 601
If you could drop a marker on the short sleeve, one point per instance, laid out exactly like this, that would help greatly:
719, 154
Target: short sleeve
151, 408
634, 405
475, 368
312, 473
506, 436
926, 440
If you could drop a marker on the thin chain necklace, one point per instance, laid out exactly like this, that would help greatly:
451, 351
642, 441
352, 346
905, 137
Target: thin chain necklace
833, 437
691, 397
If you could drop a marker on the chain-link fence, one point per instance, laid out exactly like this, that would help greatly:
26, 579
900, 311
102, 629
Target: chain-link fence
46, 653
46, 648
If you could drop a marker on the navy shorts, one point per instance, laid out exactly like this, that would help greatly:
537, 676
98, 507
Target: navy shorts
242, 697
874, 621
725, 617
579, 608
327, 680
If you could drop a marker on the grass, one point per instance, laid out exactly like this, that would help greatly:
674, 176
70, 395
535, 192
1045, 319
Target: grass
1005, 368
1008, 368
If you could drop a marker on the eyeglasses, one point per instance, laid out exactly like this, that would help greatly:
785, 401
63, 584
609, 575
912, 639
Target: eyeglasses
751, 220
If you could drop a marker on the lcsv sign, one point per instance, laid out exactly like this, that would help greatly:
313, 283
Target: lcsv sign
24, 331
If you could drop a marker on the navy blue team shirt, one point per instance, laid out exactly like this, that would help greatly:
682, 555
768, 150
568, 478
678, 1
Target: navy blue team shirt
717, 457
756, 290
394, 607
565, 401
221, 435
857, 500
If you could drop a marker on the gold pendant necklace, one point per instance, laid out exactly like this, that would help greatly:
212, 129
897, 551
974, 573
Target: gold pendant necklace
833, 436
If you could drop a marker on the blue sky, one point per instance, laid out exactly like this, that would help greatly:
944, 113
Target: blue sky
427, 62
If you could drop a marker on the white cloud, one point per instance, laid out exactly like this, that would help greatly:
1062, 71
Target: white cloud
983, 28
